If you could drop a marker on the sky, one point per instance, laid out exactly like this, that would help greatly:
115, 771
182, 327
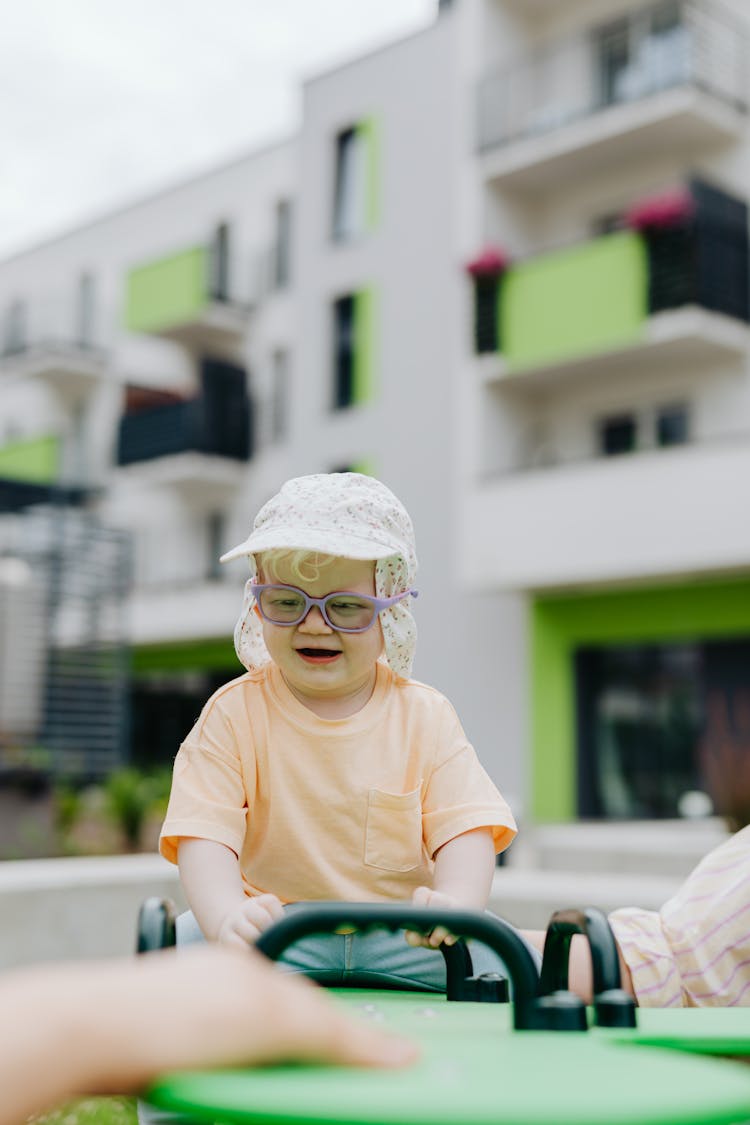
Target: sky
105, 101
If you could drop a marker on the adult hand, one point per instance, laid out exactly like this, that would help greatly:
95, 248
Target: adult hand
244, 923
425, 896
112, 1026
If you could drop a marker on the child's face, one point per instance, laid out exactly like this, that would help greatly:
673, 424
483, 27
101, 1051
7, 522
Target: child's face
316, 661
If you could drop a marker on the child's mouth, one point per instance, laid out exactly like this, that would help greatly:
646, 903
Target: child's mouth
318, 655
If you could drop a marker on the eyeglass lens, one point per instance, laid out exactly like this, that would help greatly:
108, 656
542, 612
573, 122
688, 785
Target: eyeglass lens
344, 611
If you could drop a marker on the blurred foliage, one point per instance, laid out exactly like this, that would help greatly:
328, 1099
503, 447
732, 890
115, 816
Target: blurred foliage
91, 1111
67, 806
131, 796
122, 812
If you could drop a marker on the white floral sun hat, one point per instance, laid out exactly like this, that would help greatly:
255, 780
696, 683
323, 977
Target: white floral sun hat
345, 514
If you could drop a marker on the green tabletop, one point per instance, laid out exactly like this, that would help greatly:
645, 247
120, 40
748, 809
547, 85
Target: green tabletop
707, 1031
475, 1069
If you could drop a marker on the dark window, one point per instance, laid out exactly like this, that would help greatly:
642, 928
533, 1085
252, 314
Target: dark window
349, 186
657, 722
672, 425
343, 351
282, 253
227, 410
219, 263
617, 434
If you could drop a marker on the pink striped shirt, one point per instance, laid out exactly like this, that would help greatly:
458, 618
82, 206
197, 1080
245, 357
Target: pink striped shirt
695, 951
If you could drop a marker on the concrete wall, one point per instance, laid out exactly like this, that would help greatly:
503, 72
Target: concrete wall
67, 909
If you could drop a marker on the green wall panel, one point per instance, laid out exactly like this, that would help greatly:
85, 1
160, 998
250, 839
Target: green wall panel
168, 292
586, 298
36, 461
559, 625
363, 389
369, 131
209, 655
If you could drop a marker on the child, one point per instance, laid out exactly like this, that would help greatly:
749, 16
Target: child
325, 772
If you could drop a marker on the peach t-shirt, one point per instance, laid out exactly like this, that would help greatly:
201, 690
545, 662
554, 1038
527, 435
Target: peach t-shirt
349, 809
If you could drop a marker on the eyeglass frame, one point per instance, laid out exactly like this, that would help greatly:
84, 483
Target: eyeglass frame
378, 604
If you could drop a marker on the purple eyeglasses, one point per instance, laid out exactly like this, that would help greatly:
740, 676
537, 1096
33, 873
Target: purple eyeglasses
343, 611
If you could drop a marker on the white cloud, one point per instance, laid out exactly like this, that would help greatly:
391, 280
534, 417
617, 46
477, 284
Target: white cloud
101, 102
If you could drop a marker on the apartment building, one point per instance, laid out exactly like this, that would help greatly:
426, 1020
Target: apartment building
606, 415
504, 266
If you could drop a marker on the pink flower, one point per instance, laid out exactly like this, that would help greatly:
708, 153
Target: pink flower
669, 209
491, 263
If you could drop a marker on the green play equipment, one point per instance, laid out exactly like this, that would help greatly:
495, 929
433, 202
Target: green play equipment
532, 1061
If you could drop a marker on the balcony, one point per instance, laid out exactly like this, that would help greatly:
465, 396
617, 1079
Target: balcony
615, 95
174, 298
647, 515
44, 346
188, 445
671, 296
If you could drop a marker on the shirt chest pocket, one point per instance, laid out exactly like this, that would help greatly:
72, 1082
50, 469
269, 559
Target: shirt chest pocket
393, 833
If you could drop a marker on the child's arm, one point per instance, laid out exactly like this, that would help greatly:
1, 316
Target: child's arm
210, 874
579, 964
464, 867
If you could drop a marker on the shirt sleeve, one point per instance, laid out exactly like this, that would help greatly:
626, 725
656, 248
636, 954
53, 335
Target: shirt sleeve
209, 797
459, 794
695, 952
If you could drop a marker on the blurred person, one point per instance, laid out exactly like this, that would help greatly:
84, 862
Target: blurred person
326, 772
695, 951
112, 1026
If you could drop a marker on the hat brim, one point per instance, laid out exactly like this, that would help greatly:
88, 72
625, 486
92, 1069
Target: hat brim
325, 543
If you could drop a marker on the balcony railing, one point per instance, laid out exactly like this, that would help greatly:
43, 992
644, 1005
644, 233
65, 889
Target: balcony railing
184, 427
175, 297
600, 296
634, 58
612, 518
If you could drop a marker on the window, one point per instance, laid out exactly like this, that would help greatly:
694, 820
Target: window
282, 251
672, 425
215, 537
349, 189
14, 328
343, 351
279, 395
653, 428
85, 311
219, 263
643, 53
656, 723
617, 434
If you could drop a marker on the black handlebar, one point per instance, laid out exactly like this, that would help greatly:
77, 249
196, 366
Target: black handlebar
500, 936
613, 1006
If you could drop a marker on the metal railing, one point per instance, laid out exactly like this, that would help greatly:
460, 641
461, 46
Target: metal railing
182, 427
635, 57
64, 579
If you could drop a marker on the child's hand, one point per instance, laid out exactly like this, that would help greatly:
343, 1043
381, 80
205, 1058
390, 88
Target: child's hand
424, 896
244, 924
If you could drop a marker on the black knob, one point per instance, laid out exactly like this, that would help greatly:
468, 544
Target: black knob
614, 1008
561, 1011
488, 988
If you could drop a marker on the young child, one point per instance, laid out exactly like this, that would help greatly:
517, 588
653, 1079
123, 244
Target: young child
325, 772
